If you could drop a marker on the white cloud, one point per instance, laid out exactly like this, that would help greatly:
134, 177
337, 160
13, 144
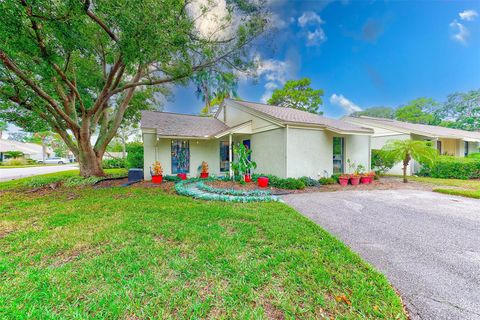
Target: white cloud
468, 15
460, 32
309, 17
274, 72
276, 22
212, 18
310, 22
316, 37
343, 102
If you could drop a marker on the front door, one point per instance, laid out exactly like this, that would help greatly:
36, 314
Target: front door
338, 155
246, 143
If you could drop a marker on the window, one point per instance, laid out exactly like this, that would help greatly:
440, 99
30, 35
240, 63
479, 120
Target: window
338, 155
224, 155
439, 146
466, 148
180, 156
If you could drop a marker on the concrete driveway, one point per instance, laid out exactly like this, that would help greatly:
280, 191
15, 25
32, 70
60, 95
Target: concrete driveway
17, 173
427, 244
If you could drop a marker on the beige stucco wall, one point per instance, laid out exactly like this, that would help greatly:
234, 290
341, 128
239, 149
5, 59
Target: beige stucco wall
268, 151
310, 152
234, 116
357, 149
200, 150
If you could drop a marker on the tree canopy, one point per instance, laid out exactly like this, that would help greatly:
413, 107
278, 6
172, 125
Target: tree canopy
378, 112
421, 110
77, 66
298, 94
462, 110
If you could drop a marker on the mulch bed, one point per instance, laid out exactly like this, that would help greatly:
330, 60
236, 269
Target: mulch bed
385, 183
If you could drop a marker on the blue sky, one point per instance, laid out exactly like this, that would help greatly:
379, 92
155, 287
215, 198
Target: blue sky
364, 53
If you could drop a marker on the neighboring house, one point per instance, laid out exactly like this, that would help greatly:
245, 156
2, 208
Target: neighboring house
284, 142
447, 141
29, 150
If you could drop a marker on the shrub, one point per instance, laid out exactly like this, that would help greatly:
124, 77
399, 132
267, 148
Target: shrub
15, 162
449, 167
114, 163
309, 182
382, 161
289, 183
135, 155
172, 178
325, 181
474, 156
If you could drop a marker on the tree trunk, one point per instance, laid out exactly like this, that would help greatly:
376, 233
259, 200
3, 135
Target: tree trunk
90, 164
405, 165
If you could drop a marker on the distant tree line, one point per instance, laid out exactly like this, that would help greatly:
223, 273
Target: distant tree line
461, 110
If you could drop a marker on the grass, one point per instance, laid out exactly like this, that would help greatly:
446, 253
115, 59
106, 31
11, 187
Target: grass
26, 166
464, 188
459, 192
142, 253
30, 182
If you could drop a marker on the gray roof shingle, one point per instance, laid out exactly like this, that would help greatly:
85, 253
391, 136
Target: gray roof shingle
421, 129
181, 125
289, 115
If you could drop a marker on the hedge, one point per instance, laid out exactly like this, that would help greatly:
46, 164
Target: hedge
135, 155
448, 167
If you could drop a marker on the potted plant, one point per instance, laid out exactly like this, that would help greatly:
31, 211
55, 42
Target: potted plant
243, 165
354, 179
204, 173
157, 172
262, 182
182, 175
343, 179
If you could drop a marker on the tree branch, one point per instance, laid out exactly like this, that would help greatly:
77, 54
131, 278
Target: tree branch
86, 7
10, 65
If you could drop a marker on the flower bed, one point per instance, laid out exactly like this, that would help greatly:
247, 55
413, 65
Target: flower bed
192, 188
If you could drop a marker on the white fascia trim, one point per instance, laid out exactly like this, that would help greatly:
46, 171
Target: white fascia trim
148, 130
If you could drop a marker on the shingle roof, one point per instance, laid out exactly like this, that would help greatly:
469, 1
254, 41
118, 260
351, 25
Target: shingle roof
294, 116
421, 129
181, 125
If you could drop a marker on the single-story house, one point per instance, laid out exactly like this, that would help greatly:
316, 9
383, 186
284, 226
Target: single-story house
284, 142
30, 150
447, 141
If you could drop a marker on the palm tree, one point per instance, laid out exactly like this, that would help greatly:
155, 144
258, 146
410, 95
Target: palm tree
406, 150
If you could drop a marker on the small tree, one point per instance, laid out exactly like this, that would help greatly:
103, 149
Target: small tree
243, 164
298, 94
406, 150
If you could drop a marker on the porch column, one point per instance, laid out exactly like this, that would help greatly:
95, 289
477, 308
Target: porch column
230, 158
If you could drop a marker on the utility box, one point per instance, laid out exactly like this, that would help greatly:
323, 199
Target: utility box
135, 174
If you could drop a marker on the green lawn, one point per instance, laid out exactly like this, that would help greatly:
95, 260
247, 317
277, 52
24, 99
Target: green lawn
26, 166
24, 183
464, 188
134, 253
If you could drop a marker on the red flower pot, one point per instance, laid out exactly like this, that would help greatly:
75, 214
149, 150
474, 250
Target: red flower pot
204, 175
263, 182
182, 176
354, 180
157, 179
248, 178
365, 180
343, 181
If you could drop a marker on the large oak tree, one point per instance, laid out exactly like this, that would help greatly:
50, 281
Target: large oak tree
74, 66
